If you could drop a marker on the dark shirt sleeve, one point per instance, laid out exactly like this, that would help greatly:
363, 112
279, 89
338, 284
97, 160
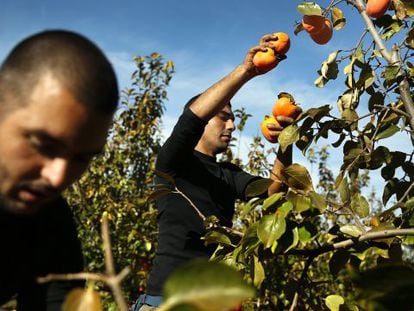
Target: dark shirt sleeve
180, 145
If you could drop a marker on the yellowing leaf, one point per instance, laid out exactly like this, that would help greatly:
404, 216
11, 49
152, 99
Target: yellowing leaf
82, 299
352, 230
296, 176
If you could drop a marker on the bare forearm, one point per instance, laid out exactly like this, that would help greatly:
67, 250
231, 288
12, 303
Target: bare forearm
210, 102
283, 159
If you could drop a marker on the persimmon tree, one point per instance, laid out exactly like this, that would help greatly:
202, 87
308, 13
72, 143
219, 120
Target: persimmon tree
311, 250
116, 183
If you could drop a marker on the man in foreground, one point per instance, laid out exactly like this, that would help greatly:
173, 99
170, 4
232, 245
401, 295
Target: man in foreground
58, 93
189, 156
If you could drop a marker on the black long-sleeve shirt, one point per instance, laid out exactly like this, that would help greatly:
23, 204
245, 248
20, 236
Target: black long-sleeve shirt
212, 186
36, 245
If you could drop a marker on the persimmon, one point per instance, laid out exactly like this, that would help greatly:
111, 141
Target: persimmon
313, 23
323, 36
377, 8
265, 61
285, 107
282, 43
265, 131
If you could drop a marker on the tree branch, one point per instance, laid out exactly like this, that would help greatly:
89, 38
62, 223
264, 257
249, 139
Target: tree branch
373, 235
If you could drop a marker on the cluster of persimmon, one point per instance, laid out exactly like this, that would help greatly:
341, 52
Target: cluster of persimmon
268, 59
318, 27
284, 106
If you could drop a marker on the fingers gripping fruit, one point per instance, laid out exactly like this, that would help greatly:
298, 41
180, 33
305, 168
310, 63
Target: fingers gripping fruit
265, 130
265, 61
282, 43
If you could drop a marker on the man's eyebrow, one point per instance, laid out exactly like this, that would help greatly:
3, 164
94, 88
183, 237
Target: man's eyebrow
227, 114
54, 140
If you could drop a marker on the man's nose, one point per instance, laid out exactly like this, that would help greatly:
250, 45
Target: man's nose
230, 125
55, 171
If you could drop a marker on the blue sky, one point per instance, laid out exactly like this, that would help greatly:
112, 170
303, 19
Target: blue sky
206, 40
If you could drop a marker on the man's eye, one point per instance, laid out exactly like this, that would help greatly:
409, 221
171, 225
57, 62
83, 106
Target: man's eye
41, 146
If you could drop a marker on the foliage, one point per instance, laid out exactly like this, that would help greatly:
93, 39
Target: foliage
117, 181
308, 248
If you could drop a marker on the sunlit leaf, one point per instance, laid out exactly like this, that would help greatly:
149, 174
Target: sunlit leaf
205, 285
309, 8
352, 230
318, 201
271, 228
259, 273
300, 202
388, 132
270, 201
333, 302
338, 19
288, 136
360, 205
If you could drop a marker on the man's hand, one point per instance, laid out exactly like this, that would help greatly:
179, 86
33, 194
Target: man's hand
275, 129
264, 45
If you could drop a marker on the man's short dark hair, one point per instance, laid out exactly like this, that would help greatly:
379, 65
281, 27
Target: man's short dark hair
72, 59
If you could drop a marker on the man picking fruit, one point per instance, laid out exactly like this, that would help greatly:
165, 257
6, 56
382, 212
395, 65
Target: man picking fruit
189, 156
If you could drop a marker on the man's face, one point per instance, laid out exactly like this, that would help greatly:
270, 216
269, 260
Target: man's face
217, 133
46, 145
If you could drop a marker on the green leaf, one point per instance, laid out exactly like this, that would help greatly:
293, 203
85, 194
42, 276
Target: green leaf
258, 187
259, 273
215, 237
206, 286
273, 199
388, 132
309, 8
271, 228
333, 302
300, 202
285, 209
360, 205
344, 191
352, 230
250, 239
318, 113
296, 176
318, 201
295, 239
288, 136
